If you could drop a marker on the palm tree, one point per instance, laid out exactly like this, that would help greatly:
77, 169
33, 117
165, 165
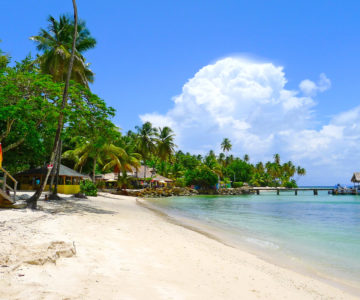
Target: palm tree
106, 154
84, 151
32, 201
300, 171
277, 158
221, 159
226, 145
146, 143
165, 143
246, 157
123, 159
55, 43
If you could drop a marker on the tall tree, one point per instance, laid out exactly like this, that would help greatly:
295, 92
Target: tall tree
277, 158
32, 201
226, 145
146, 144
165, 143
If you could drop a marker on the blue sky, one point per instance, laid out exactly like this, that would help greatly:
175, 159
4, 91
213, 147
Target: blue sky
148, 50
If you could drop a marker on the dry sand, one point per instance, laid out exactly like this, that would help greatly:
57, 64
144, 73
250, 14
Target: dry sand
109, 247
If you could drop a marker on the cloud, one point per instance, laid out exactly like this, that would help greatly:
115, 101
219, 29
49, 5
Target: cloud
248, 102
310, 88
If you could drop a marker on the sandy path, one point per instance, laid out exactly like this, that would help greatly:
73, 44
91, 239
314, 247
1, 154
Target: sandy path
124, 251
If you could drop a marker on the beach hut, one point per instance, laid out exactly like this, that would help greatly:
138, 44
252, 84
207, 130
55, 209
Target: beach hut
161, 180
356, 179
68, 183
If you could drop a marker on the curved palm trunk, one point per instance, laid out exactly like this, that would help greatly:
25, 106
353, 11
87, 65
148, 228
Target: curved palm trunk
32, 201
54, 195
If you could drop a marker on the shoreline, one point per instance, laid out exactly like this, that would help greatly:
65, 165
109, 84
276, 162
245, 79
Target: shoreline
220, 235
111, 247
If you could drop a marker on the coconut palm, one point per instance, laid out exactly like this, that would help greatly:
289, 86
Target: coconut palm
165, 143
32, 201
84, 151
56, 43
277, 158
300, 171
146, 141
120, 158
246, 158
226, 145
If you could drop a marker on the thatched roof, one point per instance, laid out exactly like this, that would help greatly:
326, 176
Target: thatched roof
355, 177
64, 171
161, 178
134, 173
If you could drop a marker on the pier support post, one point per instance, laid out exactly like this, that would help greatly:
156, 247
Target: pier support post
277, 192
315, 192
296, 192
257, 192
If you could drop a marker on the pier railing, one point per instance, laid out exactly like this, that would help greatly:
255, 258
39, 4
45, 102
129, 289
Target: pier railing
295, 190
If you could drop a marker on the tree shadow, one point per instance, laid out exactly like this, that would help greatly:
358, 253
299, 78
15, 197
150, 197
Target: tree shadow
67, 206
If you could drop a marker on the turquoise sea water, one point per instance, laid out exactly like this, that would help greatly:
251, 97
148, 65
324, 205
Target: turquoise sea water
320, 234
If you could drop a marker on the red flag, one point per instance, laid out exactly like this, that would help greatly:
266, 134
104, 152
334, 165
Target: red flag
1, 156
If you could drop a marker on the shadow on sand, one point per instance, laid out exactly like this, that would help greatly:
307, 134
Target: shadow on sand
71, 205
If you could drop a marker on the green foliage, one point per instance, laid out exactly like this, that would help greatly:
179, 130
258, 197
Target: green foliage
100, 184
203, 177
240, 170
4, 60
180, 182
237, 184
88, 188
291, 184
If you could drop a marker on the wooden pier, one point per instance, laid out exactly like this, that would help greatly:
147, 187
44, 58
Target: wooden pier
295, 190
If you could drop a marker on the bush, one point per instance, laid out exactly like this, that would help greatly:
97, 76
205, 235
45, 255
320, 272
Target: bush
180, 182
291, 184
100, 184
238, 184
202, 177
88, 188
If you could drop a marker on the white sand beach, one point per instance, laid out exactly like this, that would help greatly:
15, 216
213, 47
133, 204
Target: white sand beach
110, 247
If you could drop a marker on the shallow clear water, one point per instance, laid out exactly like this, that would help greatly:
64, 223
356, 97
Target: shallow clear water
321, 233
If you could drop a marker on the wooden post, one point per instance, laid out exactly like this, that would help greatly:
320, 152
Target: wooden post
277, 191
315, 192
4, 183
296, 192
15, 187
257, 192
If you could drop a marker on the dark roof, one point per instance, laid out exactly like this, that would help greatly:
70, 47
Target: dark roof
64, 171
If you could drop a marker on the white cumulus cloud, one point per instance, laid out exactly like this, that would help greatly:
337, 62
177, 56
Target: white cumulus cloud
310, 88
248, 102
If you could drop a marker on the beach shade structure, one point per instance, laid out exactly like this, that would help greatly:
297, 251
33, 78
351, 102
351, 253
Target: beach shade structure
68, 181
356, 179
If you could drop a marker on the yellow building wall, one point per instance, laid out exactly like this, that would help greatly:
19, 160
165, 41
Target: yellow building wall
62, 189
29, 187
69, 189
